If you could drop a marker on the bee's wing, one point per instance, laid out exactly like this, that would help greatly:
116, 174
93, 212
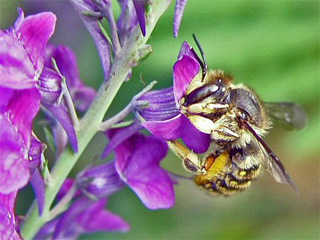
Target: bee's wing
276, 169
289, 113
272, 162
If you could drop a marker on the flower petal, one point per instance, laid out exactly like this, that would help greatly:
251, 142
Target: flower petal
16, 69
7, 218
85, 216
100, 181
5, 94
34, 32
66, 61
119, 136
161, 105
14, 170
37, 183
167, 129
22, 108
50, 87
140, 6
187, 50
178, 13
137, 162
96, 219
184, 71
61, 114
197, 141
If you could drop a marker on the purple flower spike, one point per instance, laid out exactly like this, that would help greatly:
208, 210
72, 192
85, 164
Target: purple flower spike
140, 6
7, 218
178, 13
21, 50
137, 163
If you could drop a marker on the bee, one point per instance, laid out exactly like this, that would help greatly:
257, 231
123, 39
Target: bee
237, 120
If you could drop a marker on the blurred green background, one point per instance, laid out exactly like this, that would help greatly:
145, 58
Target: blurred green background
273, 47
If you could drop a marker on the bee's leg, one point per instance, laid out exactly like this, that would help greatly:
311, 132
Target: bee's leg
204, 108
220, 130
190, 160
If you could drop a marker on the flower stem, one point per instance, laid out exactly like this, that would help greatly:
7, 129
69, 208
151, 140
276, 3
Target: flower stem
88, 126
126, 111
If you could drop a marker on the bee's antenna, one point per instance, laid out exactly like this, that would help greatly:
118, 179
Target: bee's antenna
205, 66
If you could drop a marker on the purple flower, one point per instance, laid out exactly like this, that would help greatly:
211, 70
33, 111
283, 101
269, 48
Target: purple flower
87, 216
83, 216
137, 164
163, 116
7, 217
100, 181
21, 50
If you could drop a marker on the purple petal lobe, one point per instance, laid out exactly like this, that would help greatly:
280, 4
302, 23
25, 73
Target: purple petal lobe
197, 141
137, 162
62, 116
178, 13
119, 136
161, 105
6, 94
187, 50
49, 85
100, 40
7, 218
34, 32
100, 181
95, 219
184, 72
140, 6
67, 63
167, 129
35, 153
37, 183
16, 69
60, 138
85, 216
14, 171
22, 108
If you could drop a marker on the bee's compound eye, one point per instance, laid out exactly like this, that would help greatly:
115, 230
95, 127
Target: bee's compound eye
201, 93
190, 165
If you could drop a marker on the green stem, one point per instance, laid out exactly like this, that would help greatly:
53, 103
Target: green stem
88, 126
